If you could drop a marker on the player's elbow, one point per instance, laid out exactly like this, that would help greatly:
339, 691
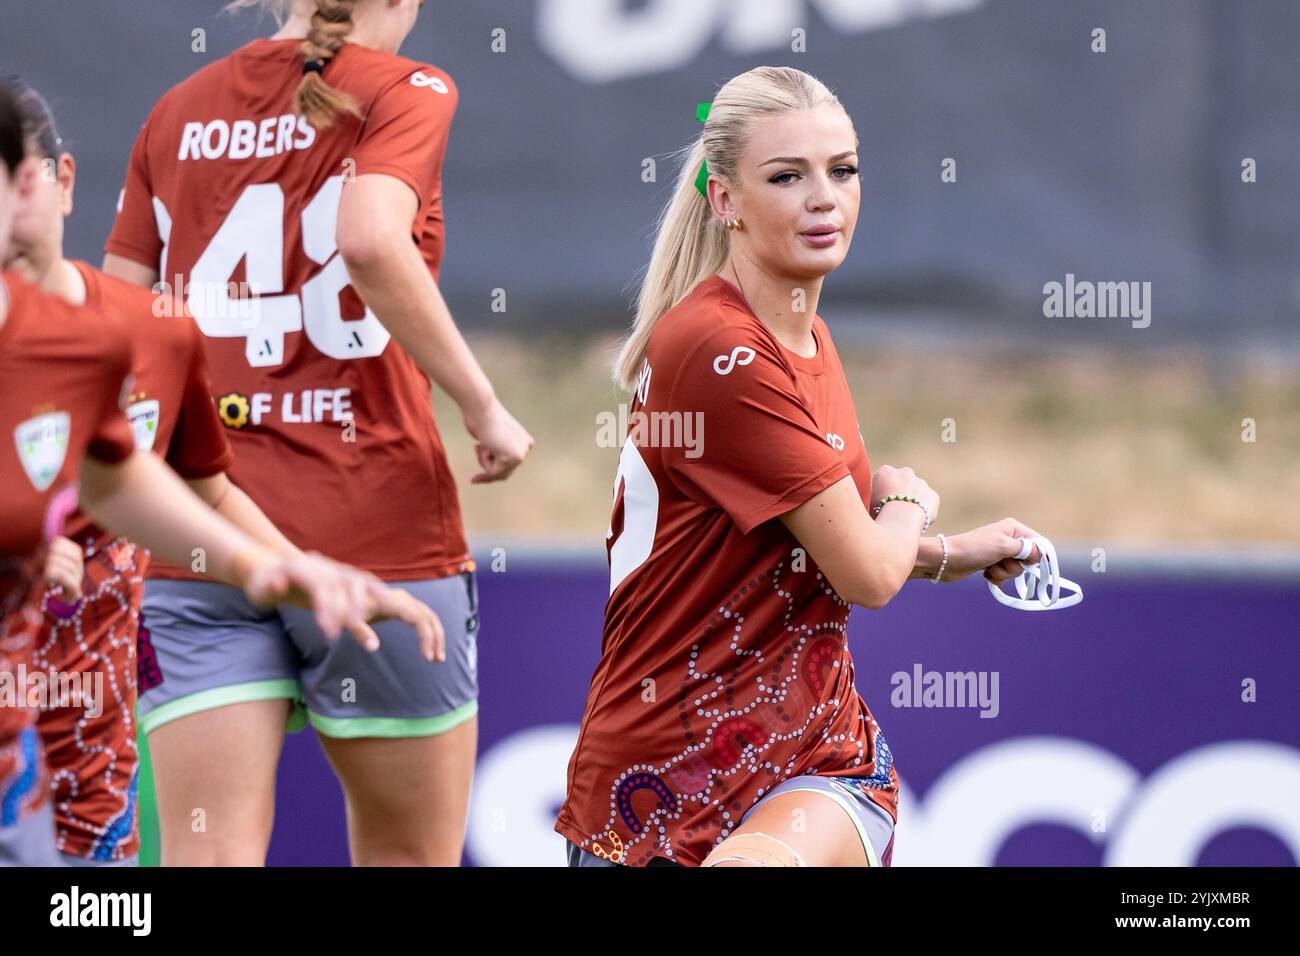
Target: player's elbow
863, 587
367, 243
211, 490
362, 249
873, 599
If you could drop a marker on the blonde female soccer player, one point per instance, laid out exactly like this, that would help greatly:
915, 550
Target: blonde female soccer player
722, 727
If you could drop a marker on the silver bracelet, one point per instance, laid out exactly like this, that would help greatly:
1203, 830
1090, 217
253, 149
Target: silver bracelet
938, 574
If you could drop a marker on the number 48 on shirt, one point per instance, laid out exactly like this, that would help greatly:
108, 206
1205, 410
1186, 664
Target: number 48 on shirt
254, 232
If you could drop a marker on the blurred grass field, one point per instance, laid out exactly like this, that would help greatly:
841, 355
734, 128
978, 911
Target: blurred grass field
1090, 447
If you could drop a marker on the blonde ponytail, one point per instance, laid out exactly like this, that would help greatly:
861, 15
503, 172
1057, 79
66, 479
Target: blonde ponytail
691, 242
688, 247
331, 23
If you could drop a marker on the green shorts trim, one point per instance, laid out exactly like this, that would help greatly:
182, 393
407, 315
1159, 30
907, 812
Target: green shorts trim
353, 727
281, 688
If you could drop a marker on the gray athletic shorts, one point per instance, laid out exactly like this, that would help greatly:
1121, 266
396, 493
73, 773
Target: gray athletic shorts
204, 645
30, 842
875, 827
126, 861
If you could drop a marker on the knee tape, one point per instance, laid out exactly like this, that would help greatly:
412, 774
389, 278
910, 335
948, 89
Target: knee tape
755, 849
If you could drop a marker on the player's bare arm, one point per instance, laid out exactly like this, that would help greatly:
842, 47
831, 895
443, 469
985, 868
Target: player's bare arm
145, 499
865, 561
391, 277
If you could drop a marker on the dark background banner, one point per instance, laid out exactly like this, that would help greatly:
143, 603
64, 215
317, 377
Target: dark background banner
1117, 166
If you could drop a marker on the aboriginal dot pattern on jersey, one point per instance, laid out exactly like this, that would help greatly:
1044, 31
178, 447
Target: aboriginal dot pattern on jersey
93, 757
800, 664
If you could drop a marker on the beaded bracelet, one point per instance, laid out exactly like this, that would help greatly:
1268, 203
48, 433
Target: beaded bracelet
943, 564
913, 499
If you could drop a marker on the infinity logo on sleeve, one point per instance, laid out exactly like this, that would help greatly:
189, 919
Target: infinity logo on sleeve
435, 83
740, 355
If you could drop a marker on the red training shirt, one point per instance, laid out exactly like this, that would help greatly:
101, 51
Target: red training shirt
332, 423
65, 376
724, 667
63, 372
169, 403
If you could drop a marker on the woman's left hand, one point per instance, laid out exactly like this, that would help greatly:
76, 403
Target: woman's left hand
992, 549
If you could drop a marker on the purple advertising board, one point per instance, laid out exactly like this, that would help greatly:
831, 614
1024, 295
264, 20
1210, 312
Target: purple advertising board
1156, 723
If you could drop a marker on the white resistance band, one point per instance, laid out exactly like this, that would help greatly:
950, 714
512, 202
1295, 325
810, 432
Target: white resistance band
1039, 586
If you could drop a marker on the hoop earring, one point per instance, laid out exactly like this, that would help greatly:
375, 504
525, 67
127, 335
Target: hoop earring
736, 224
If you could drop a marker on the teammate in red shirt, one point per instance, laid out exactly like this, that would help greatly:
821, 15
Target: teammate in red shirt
75, 414
91, 632
308, 168
723, 726
59, 404
66, 374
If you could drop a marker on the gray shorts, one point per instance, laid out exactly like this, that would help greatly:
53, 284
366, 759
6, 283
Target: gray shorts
30, 842
204, 645
875, 827
126, 861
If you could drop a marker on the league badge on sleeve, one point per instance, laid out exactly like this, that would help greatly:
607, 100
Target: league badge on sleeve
144, 423
42, 444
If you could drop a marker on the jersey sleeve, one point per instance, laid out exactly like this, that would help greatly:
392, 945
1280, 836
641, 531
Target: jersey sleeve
135, 231
406, 130
113, 440
199, 447
759, 452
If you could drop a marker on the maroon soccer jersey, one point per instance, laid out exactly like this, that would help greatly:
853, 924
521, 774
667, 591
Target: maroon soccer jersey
724, 667
170, 403
331, 422
65, 377
92, 751
63, 372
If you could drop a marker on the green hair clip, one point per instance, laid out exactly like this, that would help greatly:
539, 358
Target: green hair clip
702, 179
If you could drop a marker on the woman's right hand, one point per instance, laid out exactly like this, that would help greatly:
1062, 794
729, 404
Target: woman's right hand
889, 480
503, 443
